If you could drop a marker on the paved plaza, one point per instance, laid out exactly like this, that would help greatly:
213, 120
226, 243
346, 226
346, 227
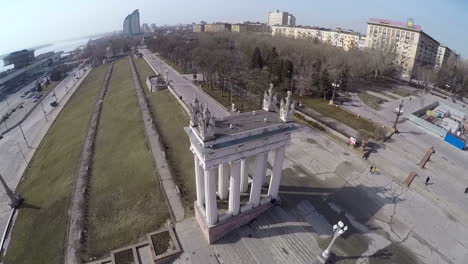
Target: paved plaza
325, 181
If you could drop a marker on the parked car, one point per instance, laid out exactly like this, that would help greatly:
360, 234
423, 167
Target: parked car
54, 104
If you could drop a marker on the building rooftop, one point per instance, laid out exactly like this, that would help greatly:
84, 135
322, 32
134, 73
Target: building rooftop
239, 123
409, 25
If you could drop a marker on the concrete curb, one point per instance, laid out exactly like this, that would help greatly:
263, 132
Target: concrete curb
7, 228
327, 128
216, 101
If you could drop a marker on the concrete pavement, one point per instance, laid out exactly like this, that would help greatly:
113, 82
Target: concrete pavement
324, 182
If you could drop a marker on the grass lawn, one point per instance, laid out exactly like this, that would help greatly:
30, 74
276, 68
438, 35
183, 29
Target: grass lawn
371, 100
38, 234
170, 120
343, 116
402, 92
390, 95
125, 200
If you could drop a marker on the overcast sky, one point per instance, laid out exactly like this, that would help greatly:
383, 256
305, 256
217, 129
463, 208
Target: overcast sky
26, 23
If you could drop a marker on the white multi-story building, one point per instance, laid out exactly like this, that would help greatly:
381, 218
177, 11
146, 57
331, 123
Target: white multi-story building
281, 18
291, 20
345, 39
413, 47
443, 54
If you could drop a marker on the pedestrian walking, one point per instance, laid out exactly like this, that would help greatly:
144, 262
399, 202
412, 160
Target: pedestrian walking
374, 170
466, 190
427, 181
370, 169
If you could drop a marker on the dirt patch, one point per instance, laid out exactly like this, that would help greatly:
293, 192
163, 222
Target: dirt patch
124, 257
162, 243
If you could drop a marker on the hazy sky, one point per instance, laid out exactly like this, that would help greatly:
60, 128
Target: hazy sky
27, 23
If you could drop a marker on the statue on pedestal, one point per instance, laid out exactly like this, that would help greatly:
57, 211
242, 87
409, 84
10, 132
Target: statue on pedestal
269, 100
287, 109
206, 123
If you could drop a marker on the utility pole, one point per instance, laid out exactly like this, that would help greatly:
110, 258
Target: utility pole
22, 154
398, 113
15, 198
43, 111
24, 136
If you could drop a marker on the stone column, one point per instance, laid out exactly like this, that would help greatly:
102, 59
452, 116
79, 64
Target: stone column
200, 182
276, 172
244, 176
258, 178
211, 211
234, 188
223, 181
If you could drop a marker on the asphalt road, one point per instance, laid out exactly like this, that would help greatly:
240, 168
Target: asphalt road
13, 148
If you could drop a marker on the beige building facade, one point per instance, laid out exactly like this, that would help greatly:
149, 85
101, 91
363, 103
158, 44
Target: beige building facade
218, 27
412, 46
199, 28
345, 39
250, 28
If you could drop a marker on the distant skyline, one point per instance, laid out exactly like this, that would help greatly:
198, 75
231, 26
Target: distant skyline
32, 22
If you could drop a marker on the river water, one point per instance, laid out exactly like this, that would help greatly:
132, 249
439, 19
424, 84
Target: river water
65, 46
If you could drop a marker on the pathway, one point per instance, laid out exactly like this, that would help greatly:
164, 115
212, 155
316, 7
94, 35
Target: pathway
184, 87
159, 156
78, 203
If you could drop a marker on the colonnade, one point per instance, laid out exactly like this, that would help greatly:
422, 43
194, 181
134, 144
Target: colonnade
233, 180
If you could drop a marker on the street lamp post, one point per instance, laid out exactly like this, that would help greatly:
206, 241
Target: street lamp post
43, 111
22, 154
335, 86
167, 77
398, 113
55, 95
24, 136
338, 230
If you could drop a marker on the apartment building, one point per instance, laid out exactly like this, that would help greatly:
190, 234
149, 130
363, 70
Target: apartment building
443, 54
413, 47
250, 27
281, 18
346, 39
199, 28
218, 27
